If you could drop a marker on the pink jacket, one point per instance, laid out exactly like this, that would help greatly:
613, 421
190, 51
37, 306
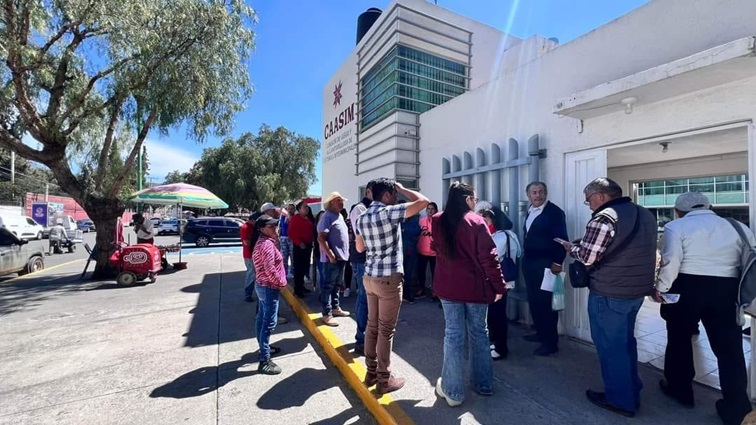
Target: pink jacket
268, 264
424, 241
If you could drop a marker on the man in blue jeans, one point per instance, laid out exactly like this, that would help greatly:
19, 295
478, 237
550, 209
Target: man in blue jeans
619, 249
358, 271
333, 238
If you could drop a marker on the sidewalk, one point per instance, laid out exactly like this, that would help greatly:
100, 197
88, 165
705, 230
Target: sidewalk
528, 389
181, 350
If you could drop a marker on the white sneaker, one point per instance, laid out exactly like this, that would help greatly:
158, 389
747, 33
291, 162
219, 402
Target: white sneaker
440, 392
347, 292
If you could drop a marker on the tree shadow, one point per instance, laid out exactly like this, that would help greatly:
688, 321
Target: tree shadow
28, 292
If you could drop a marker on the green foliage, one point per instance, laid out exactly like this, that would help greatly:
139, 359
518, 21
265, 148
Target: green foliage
276, 165
89, 79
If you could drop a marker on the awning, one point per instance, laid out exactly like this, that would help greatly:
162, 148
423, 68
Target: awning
719, 65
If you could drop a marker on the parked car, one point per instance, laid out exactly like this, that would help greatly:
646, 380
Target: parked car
18, 256
86, 225
22, 226
168, 227
204, 231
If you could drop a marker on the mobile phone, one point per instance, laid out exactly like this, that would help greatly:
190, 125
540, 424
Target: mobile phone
562, 241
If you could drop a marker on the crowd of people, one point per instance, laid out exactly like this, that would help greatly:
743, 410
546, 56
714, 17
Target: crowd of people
474, 256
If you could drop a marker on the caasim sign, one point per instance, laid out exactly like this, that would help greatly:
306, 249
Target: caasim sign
341, 120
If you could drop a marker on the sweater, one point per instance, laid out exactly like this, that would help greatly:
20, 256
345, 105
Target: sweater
473, 274
301, 230
268, 262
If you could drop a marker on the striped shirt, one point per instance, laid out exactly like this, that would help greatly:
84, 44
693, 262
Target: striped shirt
379, 227
599, 232
268, 263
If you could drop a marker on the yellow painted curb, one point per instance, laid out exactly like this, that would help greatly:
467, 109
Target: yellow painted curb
385, 410
26, 276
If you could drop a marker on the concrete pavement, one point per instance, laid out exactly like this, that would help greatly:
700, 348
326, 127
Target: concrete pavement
181, 350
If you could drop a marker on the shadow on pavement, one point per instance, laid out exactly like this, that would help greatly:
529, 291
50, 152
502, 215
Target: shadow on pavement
296, 389
28, 293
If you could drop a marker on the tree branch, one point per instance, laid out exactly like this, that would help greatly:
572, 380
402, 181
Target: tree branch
58, 88
9, 141
105, 153
83, 97
118, 182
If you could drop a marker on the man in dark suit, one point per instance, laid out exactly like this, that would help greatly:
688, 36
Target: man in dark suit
544, 222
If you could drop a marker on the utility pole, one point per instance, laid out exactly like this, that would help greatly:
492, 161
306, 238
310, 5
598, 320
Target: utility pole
139, 155
13, 167
47, 192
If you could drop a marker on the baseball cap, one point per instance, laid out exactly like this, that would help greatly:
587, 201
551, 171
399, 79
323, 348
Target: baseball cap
265, 220
690, 201
267, 206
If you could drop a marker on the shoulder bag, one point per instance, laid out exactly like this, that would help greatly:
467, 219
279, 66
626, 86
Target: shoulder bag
580, 274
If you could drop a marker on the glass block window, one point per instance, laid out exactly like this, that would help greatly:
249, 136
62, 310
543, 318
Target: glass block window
410, 80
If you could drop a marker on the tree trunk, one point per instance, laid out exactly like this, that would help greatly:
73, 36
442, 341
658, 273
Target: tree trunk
104, 213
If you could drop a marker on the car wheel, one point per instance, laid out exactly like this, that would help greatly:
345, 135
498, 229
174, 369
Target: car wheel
35, 264
39, 236
202, 241
126, 279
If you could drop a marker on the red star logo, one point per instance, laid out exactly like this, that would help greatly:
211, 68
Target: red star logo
337, 95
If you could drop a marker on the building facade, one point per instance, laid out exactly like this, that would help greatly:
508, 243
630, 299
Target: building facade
662, 105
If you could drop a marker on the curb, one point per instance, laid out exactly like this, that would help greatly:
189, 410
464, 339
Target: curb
384, 409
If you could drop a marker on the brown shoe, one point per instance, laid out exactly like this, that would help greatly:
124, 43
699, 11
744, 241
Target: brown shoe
328, 320
391, 385
370, 379
337, 312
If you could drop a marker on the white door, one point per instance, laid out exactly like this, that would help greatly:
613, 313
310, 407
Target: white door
579, 169
752, 216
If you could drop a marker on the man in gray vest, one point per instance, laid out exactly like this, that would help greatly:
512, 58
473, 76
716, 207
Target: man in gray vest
701, 256
619, 249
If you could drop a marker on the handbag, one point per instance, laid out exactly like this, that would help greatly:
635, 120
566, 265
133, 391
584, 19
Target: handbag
508, 265
580, 274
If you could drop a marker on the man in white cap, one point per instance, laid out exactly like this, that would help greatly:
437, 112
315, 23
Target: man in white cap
57, 234
270, 210
701, 257
333, 238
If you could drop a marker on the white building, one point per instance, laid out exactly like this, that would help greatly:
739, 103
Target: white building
662, 100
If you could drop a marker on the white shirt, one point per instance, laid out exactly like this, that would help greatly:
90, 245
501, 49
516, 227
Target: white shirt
701, 243
500, 239
356, 212
146, 231
533, 213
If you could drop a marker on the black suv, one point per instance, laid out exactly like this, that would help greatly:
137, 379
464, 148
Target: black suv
203, 231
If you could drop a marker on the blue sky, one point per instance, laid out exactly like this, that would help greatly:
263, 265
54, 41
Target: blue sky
300, 44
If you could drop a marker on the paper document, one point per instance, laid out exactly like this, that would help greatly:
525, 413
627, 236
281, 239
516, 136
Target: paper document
548, 280
670, 298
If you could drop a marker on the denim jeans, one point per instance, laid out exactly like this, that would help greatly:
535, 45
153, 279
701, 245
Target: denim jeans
286, 250
470, 318
330, 285
249, 278
321, 274
361, 310
267, 318
613, 331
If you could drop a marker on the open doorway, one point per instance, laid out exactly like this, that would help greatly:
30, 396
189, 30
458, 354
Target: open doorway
713, 162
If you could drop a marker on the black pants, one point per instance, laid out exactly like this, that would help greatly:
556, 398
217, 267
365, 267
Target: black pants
711, 300
301, 266
498, 325
422, 264
544, 318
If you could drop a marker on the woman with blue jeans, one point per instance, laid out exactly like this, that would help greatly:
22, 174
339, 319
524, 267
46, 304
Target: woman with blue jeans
271, 278
468, 279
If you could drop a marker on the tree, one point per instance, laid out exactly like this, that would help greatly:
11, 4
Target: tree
89, 79
276, 165
174, 176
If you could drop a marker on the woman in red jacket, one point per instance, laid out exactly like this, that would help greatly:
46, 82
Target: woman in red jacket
302, 235
468, 279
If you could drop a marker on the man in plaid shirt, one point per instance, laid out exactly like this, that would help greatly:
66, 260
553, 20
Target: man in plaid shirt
378, 233
619, 249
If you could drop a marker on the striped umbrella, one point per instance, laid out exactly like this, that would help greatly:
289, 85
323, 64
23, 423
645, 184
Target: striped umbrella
179, 194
